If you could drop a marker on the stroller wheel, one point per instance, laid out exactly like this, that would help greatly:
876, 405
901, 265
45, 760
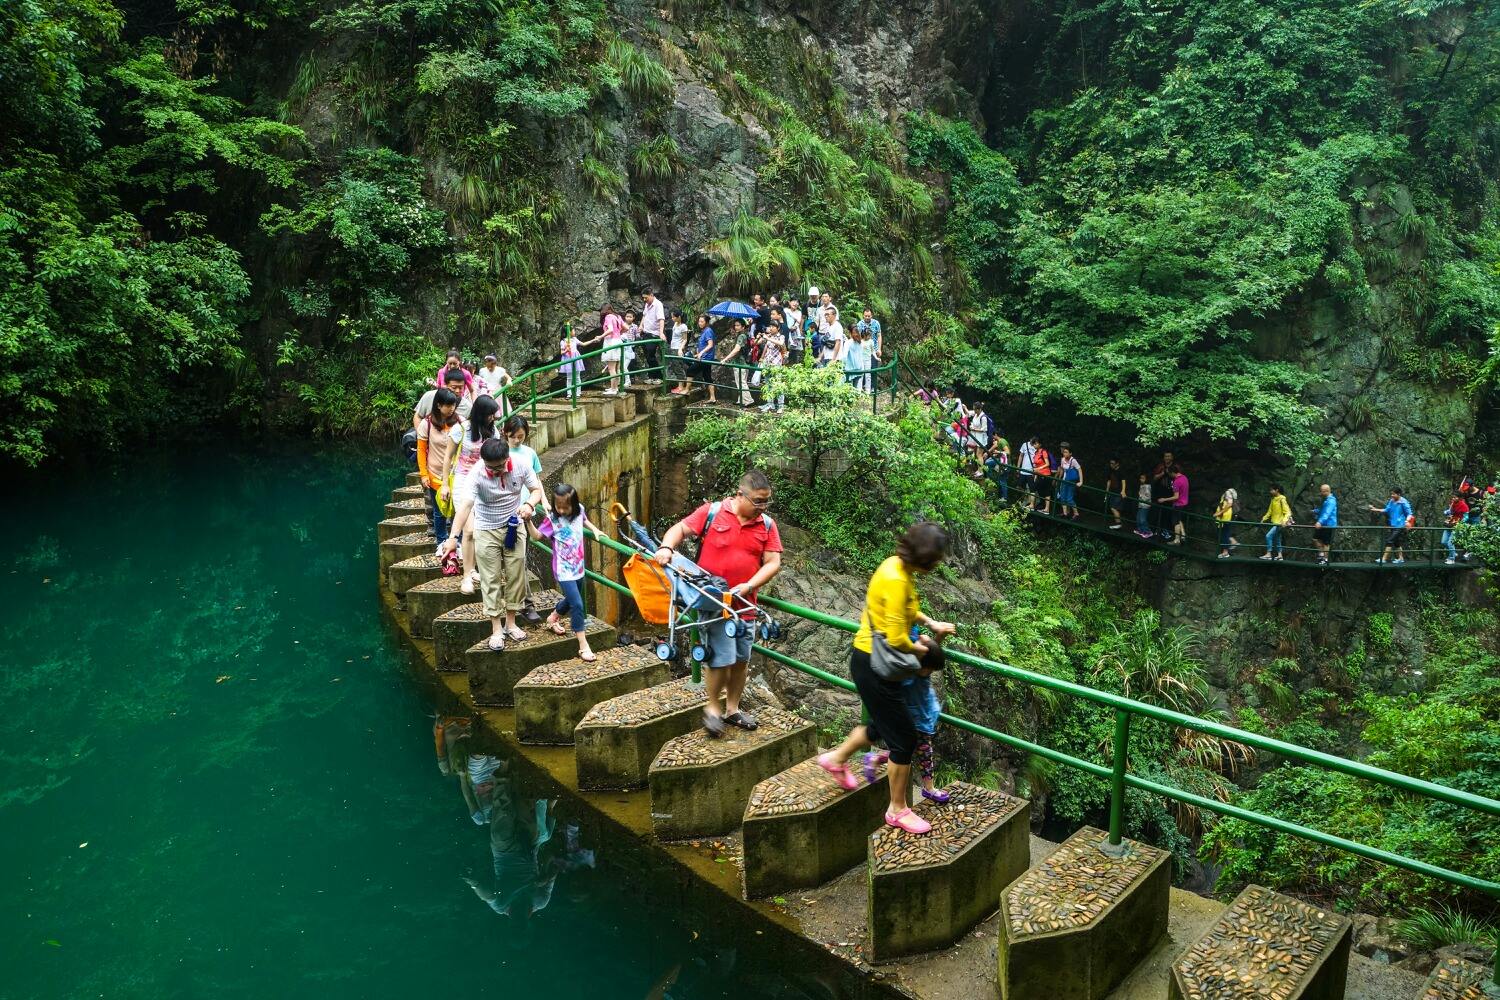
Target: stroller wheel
664, 651
731, 628
700, 654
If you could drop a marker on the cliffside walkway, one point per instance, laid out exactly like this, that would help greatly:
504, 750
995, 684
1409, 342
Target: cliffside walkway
1091, 918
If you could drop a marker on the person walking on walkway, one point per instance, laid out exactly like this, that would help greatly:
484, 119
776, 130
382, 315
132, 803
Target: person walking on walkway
1071, 474
1325, 519
1143, 506
453, 381
703, 367
741, 543
654, 329
1458, 507
506, 492
1399, 517
481, 428
739, 362
891, 614
1041, 464
1225, 513
772, 358
613, 336
1026, 467
566, 526
1279, 516
438, 436
679, 348
1116, 490
1174, 503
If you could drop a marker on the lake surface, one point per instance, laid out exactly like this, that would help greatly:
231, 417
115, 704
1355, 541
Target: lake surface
221, 777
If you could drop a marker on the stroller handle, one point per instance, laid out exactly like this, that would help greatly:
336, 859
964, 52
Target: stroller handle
619, 511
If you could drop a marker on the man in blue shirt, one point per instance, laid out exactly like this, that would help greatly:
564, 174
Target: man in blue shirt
1326, 518
1398, 517
869, 328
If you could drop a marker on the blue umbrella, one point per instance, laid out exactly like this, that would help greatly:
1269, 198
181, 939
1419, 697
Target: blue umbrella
733, 310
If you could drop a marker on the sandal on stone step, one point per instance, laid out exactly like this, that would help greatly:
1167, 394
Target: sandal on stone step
848, 781
908, 821
515, 634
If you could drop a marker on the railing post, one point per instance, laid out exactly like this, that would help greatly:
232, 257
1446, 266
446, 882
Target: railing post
1116, 844
533, 397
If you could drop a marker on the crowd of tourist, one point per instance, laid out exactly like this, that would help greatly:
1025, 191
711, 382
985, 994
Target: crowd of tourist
1154, 501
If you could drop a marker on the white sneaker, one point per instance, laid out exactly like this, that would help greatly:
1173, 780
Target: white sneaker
1397, 562
467, 587
1449, 562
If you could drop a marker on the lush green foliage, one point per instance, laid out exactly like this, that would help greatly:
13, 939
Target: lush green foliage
1218, 161
119, 305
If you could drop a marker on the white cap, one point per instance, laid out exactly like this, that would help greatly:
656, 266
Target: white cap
812, 291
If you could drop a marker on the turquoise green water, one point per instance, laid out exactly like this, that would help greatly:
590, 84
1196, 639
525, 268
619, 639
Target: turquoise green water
220, 777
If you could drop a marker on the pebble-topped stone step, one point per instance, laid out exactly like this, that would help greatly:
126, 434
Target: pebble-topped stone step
435, 597
599, 410
493, 676
413, 479
618, 739
409, 573
402, 547
700, 785
801, 828
927, 890
408, 493
549, 424
1266, 946
394, 527
1458, 979
1075, 925
575, 420
553, 698
401, 508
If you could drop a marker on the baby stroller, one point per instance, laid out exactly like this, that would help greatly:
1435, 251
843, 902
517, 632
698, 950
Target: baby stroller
683, 596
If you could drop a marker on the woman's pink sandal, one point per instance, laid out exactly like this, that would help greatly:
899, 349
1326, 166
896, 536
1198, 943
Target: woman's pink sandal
848, 781
908, 821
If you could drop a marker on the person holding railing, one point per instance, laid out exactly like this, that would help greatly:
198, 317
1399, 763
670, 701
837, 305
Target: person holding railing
612, 332
569, 349
1458, 508
1224, 514
869, 329
1071, 474
856, 359
738, 360
1173, 502
1279, 516
654, 329
1116, 488
1398, 515
1325, 519
891, 615
678, 368
627, 351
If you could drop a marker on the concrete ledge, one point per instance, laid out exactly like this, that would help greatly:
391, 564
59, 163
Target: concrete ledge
413, 479
926, 891
624, 406
394, 550
493, 676
1457, 979
1074, 926
419, 569
575, 420
408, 493
401, 508
553, 425
700, 786
802, 828
618, 739
552, 699
1266, 945
436, 597
599, 411
394, 527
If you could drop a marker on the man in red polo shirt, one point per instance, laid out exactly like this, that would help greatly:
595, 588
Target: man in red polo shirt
743, 546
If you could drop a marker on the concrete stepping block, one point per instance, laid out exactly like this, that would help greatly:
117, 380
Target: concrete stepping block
402, 547
618, 739
550, 423
433, 598
419, 569
401, 508
801, 828
413, 479
494, 675
599, 411
926, 891
394, 527
700, 786
408, 493
1075, 925
552, 699
1457, 979
1266, 945
575, 419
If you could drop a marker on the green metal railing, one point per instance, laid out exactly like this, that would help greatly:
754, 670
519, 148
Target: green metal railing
1117, 771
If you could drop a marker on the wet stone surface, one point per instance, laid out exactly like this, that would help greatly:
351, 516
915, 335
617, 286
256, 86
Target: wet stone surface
1456, 979
697, 749
411, 522
416, 505
566, 673
968, 815
800, 788
428, 560
416, 538
645, 704
1265, 945
1075, 885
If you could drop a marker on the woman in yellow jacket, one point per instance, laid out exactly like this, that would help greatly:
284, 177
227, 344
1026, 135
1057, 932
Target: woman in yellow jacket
1279, 514
891, 607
